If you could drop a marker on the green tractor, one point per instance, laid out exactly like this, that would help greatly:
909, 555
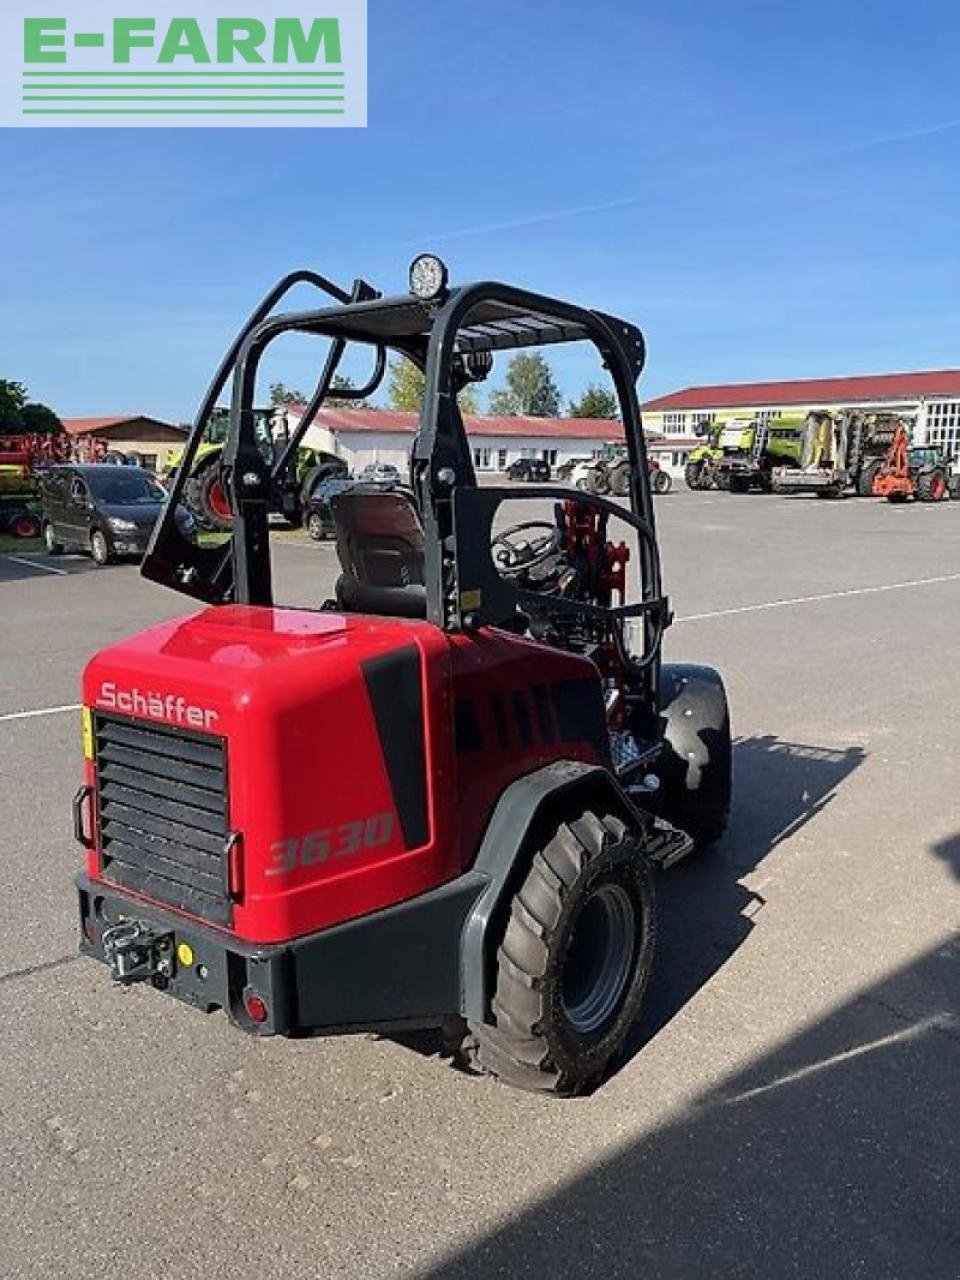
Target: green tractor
740, 454
204, 492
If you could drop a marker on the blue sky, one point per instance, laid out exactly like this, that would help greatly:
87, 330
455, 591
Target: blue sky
768, 189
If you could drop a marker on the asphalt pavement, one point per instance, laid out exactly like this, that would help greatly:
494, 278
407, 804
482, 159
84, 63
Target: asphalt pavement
788, 1103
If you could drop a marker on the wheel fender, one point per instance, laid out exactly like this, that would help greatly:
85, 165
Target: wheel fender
694, 765
504, 856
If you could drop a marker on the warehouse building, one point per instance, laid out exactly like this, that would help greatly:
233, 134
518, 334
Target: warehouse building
930, 398
151, 438
363, 436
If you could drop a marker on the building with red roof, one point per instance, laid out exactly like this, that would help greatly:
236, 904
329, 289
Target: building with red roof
151, 438
931, 397
362, 436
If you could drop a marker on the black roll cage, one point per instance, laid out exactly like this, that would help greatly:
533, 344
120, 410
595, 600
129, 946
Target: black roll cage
442, 337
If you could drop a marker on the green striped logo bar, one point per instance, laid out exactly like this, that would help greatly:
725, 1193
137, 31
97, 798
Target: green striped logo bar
98, 66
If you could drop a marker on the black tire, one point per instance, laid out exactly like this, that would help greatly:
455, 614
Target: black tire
738, 484
868, 473
100, 548
619, 481
209, 500
722, 480
53, 547
662, 482
693, 475
316, 526
932, 485
574, 960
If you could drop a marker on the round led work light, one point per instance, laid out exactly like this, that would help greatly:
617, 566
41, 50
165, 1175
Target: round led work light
428, 277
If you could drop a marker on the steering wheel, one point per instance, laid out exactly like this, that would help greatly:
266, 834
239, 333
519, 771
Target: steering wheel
514, 556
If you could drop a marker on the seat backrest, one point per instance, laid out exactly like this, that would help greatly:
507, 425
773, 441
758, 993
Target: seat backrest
379, 537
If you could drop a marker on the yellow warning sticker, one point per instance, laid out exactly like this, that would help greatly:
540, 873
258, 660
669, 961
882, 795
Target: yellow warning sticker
86, 726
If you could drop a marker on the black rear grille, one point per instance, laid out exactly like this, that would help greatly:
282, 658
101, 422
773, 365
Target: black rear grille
162, 815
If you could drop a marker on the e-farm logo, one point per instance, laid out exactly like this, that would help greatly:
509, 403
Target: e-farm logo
109, 63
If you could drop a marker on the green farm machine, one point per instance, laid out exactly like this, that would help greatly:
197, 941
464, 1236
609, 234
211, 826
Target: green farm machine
842, 452
740, 454
204, 493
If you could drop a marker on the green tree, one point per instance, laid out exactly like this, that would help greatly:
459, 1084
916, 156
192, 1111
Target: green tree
406, 384
13, 396
20, 416
341, 382
279, 394
530, 389
595, 402
38, 418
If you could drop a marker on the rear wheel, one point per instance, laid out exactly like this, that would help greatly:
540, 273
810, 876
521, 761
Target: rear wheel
213, 501
692, 474
574, 961
618, 481
662, 483
53, 547
868, 473
24, 525
99, 548
932, 486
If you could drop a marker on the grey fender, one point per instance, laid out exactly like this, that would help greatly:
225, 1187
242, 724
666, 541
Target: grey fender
522, 818
695, 762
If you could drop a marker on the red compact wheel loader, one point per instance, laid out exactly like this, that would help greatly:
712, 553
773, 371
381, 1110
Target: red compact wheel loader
437, 801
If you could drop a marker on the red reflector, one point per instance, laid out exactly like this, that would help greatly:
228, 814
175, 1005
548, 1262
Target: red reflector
255, 1006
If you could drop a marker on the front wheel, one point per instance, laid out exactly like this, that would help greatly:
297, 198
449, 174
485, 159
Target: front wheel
662, 482
53, 547
932, 486
316, 527
99, 548
213, 501
574, 961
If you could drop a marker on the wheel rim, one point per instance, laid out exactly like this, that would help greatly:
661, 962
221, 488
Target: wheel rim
938, 487
49, 538
219, 504
99, 547
599, 960
315, 528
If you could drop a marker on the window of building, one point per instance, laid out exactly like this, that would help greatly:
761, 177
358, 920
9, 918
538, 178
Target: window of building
501, 459
675, 422
481, 458
702, 419
550, 456
766, 416
943, 424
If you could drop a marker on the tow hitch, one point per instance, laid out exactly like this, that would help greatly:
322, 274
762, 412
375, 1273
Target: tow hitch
136, 952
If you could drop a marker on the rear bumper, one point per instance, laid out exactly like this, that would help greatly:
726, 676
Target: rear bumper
400, 967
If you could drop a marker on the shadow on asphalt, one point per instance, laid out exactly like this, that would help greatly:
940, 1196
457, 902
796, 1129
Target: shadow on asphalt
836, 1155
706, 913
19, 566
949, 851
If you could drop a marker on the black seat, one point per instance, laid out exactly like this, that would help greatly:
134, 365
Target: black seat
380, 548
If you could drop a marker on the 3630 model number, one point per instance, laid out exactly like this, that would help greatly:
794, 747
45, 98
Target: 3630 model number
342, 841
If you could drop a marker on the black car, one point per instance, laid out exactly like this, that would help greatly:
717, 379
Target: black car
531, 469
317, 516
106, 510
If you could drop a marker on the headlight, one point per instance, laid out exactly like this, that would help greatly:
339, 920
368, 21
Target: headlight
428, 277
122, 526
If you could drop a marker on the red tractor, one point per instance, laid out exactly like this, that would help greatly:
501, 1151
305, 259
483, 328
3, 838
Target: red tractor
439, 800
919, 472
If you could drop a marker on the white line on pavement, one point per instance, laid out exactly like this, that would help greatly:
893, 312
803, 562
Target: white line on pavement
827, 595
42, 711
35, 564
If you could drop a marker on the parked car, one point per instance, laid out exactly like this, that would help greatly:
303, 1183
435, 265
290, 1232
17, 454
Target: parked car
106, 510
380, 473
317, 516
529, 469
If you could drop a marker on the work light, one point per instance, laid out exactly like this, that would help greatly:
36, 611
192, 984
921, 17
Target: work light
428, 277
